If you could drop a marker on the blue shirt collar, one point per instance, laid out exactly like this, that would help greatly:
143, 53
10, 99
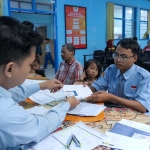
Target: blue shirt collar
128, 73
5, 93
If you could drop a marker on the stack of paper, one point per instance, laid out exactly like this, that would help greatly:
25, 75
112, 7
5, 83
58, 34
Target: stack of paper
87, 136
87, 109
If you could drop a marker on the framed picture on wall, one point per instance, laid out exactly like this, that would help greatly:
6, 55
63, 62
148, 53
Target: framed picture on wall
75, 26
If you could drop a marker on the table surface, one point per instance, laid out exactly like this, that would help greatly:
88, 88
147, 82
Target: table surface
112, 115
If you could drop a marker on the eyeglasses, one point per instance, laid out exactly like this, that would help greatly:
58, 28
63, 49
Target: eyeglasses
122, 57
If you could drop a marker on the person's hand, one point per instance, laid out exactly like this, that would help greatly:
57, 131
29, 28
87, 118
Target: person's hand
53, 85
99, 97
73, 101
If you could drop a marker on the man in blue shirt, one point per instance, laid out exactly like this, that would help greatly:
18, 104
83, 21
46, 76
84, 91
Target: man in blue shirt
17, 52
127, 84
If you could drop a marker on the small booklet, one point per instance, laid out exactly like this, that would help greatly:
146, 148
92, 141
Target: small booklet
87, 109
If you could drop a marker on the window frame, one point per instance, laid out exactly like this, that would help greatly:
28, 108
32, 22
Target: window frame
124, 19
143, 21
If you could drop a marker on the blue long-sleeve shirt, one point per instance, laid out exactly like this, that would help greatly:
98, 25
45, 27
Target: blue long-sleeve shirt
17, 126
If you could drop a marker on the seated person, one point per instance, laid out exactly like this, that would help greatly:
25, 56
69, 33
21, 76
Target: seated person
70, 70
35, 67
109, 50
147, 48
110, 46
17, 126
92, 71
127, 84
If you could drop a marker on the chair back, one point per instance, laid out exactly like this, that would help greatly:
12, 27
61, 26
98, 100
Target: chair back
100, 55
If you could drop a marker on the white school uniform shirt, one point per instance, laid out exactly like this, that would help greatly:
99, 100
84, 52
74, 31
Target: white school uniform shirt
17, 126
48, 48
136, 84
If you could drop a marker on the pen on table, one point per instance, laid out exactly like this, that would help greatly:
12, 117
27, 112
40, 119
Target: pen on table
76, 141
69, 141
108, 144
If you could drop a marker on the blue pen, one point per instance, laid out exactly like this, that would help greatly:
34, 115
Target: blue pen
76, 141
69, 141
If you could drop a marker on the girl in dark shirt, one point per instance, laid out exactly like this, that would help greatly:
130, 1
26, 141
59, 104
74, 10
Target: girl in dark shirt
92, 71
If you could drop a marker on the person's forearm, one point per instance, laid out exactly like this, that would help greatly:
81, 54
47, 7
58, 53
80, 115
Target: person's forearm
20, 93
58, 113
133, 104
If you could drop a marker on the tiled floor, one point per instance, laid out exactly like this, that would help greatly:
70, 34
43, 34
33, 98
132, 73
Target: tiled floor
50, 72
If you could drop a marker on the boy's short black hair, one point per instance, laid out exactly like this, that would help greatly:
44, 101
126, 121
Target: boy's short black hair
16, 41
47, 39
37, 60
70, 47
29, 24
135, 38
129, 43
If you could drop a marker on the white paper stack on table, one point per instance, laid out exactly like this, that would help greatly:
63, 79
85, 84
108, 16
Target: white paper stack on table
132, 129
89, 138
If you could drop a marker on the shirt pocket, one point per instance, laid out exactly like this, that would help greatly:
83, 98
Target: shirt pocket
131, 92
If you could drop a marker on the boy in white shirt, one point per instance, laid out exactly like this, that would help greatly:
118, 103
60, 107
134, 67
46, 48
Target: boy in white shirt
48, 56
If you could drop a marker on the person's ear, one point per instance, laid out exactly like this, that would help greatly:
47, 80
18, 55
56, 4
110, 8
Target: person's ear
135, 58
9, 69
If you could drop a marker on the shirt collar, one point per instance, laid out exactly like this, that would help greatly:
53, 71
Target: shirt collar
128, 73
71, 62
5, 93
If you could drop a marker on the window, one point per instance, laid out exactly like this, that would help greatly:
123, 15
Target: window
124, 22
143, 24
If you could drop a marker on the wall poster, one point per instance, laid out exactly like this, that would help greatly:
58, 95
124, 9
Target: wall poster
75, 26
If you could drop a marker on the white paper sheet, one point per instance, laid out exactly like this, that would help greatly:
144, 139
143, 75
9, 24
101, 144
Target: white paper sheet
44, 96
87, 109
79, 91
85, 135
123, 142
135, 125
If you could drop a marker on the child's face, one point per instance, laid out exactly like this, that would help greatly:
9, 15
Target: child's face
92, 70
35, 66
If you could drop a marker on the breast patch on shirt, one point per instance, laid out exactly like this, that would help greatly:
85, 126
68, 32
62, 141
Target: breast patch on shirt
133, 87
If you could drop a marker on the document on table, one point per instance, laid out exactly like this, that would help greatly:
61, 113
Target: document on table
44, 96
87, 109
132, 129
38, 110
79, 91
87, 136
120, 142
